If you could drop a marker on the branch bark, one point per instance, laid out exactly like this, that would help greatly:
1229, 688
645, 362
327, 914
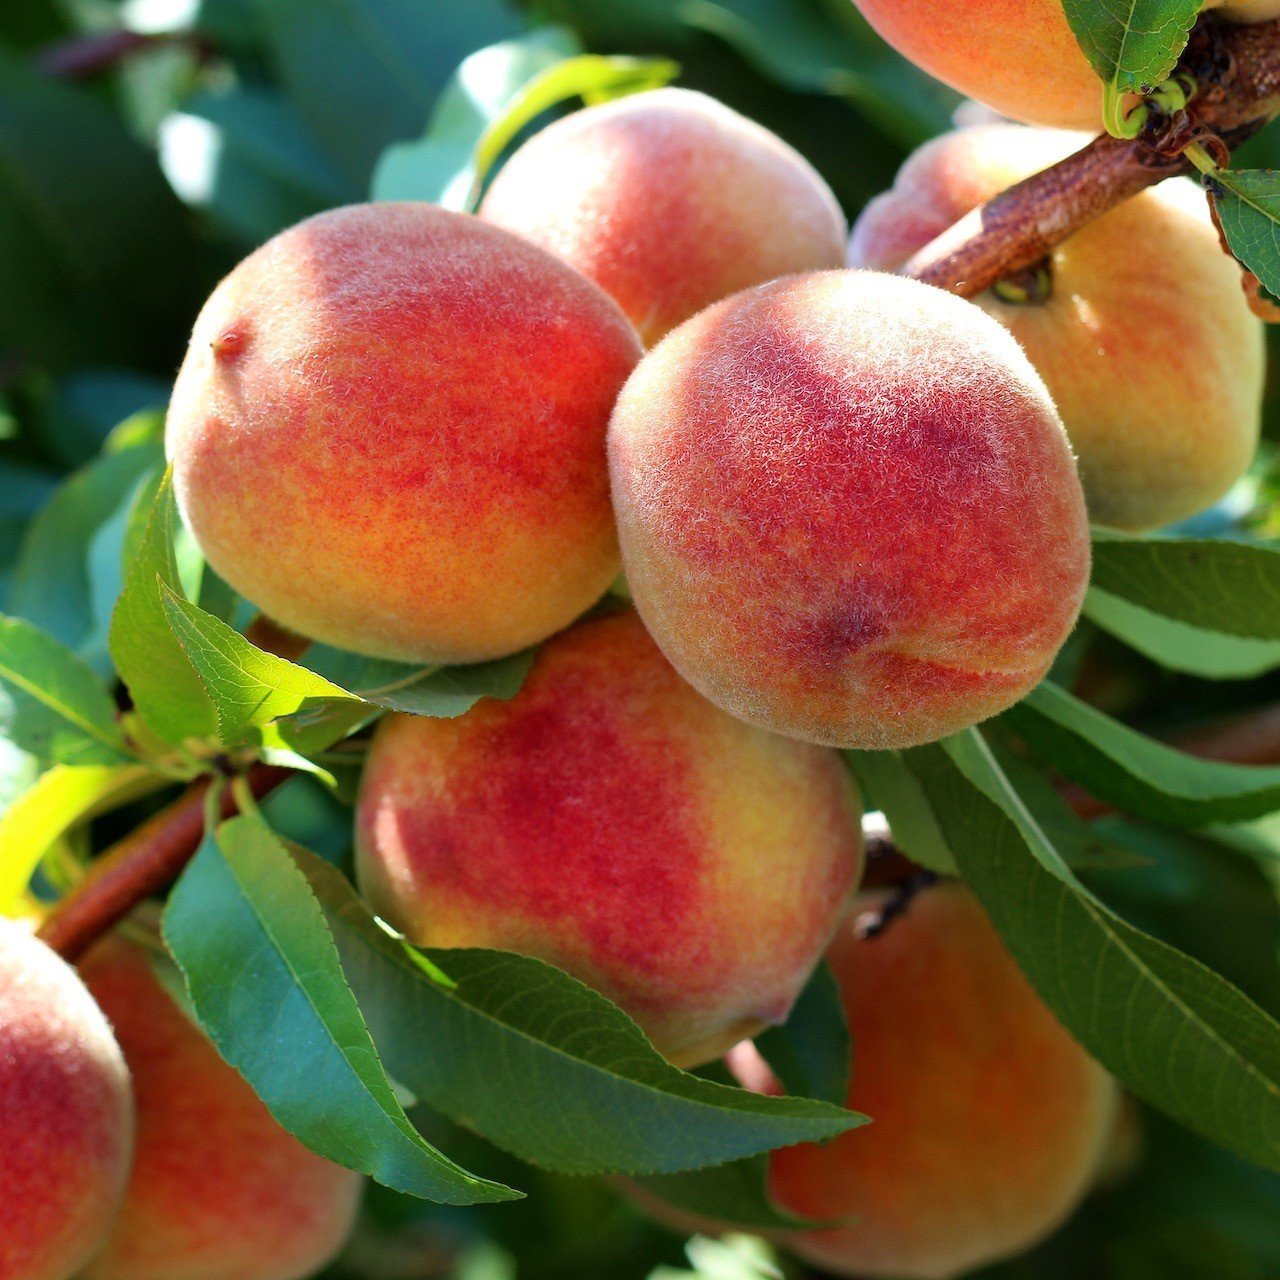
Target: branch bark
144, 863
1238, 71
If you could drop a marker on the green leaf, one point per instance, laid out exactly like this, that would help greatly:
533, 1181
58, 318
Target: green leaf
24, 489
249, 687
1207, 893
263, 974
268, 170
55, 706
166, 690
51, 585
1248, 205
443, 692
439, 167
1084, 846
736, 1193
59, 800
390, 56
541, 1065
590, 77
811, 1053
495, 95
830, 49
1134, 45
1168, 1028
112, 550
252, 689
1135, 773
893, 789
1178, 646
1212, 583
807, 47
96, 259
99, 410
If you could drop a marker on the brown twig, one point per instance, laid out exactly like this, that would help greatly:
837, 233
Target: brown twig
1238, 70
144, 863
873, 922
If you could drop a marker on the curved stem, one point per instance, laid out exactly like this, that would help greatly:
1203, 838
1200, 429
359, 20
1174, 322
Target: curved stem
1114, 119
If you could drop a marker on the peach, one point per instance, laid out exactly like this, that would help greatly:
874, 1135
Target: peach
388, 434
66, 1115
848, 510
1145, 341
609, 820
987, 1119
669, 201
1018, 56
219, 1190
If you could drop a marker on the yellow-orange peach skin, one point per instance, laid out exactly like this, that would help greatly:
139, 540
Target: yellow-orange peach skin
388, 434
1146, 341
848, 510
1018, 56
66, 1115
219, 1190
669, 201
613, 822
987, 1119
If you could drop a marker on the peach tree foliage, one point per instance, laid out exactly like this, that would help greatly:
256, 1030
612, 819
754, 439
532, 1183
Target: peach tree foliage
471, 1077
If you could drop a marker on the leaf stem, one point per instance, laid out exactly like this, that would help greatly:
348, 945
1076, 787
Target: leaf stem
1195, 152
1114, 119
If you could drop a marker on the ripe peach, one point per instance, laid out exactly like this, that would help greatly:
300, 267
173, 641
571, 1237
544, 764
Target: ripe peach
388, 433
669, 201
1146, 342
848, 510
219, 1190
987, 1118
611, 821
1018, 56
66, 1116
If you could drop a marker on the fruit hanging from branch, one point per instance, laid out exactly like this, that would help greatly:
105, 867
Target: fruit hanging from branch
612, 821
848, 510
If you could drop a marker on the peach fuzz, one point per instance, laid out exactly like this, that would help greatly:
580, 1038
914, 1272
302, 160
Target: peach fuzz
1019, 57
669, 201
1146, 341
66, 1115
609, 820
848, 510
219, 1190
987, 1119
388, 434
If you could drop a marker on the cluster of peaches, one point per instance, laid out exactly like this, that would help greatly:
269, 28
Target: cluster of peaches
851, 510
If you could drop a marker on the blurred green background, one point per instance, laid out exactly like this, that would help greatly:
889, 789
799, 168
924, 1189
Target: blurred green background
146, 146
